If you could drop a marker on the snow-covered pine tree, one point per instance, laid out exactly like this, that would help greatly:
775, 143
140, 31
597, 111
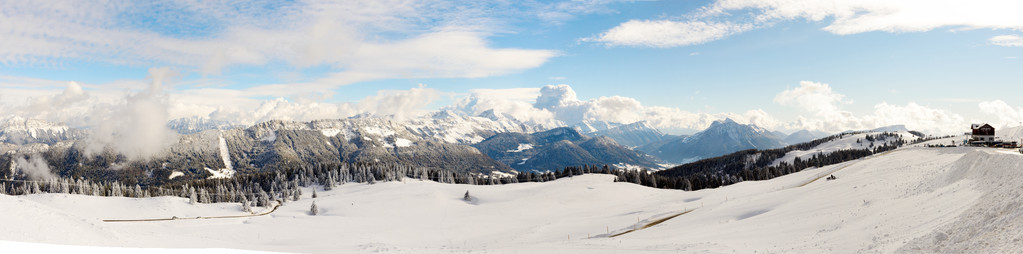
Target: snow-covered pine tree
192, 199
246, 207
467, 197
314, 193
313, 209
138, 191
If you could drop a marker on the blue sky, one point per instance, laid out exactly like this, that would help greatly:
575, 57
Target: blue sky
784, 65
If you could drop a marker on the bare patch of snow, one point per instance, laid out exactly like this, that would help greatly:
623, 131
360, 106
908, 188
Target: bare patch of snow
400, 142
330, 132
220, 173
175, 174
522, 147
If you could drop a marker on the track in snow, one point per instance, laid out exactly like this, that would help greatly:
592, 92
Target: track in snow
203, 217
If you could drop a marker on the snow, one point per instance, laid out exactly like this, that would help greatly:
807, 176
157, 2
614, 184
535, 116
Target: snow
522, 147
330, 132
220, 173
400, 142
225, 155
914, 199
175, 174
845, 143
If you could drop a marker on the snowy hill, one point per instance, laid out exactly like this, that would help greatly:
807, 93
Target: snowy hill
914, 199
845, 142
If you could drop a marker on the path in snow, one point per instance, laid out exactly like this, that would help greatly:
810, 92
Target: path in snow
274, 209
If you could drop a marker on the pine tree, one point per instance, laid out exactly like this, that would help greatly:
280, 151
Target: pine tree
467, 197
314, 193
192, 196
246, 207
313, 209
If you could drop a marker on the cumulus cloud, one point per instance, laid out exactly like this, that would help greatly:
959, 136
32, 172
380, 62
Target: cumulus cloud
561, 100
817, 98
842, 17
826, 114
517, 103
1010, 40
399, 103
1006, 114
916, 117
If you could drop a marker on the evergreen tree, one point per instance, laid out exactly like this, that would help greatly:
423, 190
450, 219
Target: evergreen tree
313, 209
192, 199
246, 207
314, 193
467, 197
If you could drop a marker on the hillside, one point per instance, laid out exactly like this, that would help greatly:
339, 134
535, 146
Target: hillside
913, 199
558, 148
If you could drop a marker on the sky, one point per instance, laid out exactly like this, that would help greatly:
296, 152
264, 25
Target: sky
786, 65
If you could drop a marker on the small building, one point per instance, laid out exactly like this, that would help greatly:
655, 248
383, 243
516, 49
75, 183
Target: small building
982, 134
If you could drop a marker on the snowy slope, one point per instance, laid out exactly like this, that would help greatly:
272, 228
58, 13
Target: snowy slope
913, 199
845, 143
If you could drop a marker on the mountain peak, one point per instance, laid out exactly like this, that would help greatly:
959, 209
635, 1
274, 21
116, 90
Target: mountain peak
724, 121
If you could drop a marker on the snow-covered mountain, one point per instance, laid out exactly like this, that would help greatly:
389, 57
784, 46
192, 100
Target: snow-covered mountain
634, 135
722, 137
194, 124
19, 131
594, 126
558, 148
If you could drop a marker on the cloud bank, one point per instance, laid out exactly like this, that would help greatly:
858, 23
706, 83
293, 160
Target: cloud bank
366, 39
728, 17
824, 106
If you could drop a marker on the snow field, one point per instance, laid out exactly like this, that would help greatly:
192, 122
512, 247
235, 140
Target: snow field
910, 200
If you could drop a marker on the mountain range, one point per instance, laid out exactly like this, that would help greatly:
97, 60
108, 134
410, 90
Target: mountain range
722, 137
558, 148
446, 139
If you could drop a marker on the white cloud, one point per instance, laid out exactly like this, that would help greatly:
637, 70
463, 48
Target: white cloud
136, 128
1010, 40
1006, 114
916, 117
842, 17
818, 98
666, 33
34, 167
561, 100
825, 107
515, 102
399, 103
391, 38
